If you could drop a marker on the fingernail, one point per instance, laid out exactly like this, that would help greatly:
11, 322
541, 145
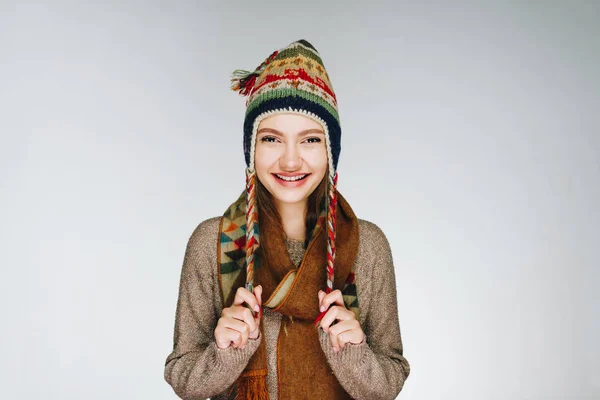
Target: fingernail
336, 349
322, 308
257, 308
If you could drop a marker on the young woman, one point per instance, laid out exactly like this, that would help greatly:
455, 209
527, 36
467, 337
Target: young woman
290, 246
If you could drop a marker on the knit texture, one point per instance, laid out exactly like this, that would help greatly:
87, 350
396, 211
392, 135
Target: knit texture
197, 369
290, 80
302, 366
233, 251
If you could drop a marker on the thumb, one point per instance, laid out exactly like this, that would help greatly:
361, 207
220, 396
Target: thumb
258, 294
258, 316
321, 294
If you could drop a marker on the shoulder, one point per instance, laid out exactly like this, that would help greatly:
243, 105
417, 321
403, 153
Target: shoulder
372, 237
374, 250
207, 228
204, 235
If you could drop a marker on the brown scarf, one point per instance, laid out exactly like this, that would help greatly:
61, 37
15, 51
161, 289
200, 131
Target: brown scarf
302, 368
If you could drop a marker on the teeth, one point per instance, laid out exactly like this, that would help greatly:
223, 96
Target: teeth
291, 179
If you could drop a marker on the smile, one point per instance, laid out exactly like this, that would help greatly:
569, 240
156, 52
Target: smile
291, 178
291, 181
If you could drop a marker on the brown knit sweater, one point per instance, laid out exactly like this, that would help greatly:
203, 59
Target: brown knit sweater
198, 369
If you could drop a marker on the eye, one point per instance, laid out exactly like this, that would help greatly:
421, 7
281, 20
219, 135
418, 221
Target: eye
269, 139
314, 140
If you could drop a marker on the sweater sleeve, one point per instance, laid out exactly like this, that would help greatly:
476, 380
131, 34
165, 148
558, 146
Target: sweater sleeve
374, 369
197, 368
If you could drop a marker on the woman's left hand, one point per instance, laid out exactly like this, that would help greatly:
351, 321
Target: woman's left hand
347, 329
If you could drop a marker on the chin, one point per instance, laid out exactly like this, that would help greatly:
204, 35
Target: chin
290, 198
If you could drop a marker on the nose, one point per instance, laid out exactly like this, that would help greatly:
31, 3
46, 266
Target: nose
291, 158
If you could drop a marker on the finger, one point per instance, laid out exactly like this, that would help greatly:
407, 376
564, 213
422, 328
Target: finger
228, 337
257, 318
328, 318
321, 294
334, 297
334, 341
242, 295
254, 335
243, 328
335, 313
244, 314
222, 339
346, 331
258, 292
228, 323
238, 337
258, 295
235, 324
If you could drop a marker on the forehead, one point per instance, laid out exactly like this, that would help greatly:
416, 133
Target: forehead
271, 131
289, 123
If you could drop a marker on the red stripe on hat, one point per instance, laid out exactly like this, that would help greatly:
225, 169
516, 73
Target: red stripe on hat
300, 73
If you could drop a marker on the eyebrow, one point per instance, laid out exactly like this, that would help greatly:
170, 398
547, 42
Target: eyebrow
301, 133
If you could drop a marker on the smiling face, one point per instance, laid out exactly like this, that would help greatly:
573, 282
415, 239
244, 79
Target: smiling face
290, 157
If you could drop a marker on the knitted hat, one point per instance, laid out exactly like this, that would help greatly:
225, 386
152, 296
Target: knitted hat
291, 80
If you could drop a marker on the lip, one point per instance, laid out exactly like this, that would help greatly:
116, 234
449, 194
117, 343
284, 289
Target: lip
291, 184
288, 174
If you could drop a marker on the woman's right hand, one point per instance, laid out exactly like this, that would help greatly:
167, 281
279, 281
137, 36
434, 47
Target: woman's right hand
237, 323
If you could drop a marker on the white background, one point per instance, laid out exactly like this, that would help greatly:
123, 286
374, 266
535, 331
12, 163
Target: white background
471, 136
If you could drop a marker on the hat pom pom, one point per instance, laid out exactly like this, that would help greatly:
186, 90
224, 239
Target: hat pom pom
243, 81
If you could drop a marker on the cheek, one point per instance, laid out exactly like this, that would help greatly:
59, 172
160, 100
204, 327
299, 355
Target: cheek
263, 160
317, 160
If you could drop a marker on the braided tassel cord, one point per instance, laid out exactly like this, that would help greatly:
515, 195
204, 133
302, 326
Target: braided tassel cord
331, 221
243, 81
252, 234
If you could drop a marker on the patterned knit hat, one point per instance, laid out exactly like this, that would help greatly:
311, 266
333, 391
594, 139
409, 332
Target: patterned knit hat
291, 80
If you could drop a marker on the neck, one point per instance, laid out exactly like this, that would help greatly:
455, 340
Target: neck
293, 219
